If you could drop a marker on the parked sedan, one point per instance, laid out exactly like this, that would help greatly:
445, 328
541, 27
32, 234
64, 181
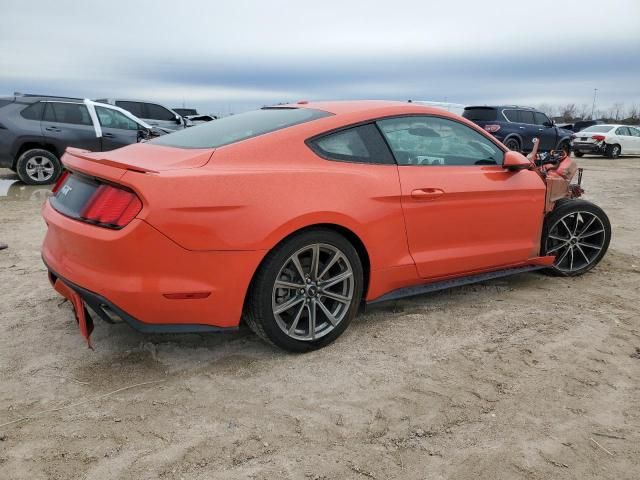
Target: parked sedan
35, 130
289, 217
608, 140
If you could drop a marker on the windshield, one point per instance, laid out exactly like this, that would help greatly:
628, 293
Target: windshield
239, 127
598, 128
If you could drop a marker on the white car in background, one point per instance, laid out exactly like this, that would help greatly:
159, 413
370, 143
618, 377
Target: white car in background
608, 140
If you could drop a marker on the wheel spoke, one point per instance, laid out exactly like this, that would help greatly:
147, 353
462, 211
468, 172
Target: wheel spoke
590, 245
294, 324
337, 279
586, 227
571, 264
315, 259
590, 234
296, 262
555, 237
327, 313
290, 285
336, 256
583, 254
577, 222
335, 296
283, 307
557, 247
312, 318
563, 256
564, 224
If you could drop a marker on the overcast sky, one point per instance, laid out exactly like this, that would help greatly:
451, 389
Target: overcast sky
235, 55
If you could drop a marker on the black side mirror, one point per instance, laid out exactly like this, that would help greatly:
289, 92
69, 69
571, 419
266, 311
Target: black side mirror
143, 134
548, 124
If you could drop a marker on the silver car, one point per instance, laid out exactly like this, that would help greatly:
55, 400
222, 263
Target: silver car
153, 113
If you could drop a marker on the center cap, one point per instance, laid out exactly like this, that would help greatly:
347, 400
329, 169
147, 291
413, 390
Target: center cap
312, 290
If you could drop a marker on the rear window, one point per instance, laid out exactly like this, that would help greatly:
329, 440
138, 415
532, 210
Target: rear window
33, 112
480, 114
239, 127
598, 128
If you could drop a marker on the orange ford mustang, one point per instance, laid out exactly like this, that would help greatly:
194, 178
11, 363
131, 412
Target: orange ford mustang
292, 217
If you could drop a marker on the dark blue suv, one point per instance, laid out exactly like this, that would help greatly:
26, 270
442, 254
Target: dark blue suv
516, 127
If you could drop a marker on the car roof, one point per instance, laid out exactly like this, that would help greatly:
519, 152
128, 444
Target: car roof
367, 107
498, 107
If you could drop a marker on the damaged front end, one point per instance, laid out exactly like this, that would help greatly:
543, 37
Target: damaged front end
558, 170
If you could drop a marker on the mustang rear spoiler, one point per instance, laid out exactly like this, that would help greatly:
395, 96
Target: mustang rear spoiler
80, 153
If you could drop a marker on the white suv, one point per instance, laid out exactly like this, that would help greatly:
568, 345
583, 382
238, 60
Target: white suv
152, 113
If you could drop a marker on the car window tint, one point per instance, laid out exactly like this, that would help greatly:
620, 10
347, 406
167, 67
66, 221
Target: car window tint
71, 113
157, 112
438, 141
512, 115
33, 112
110, 118
362, 144
526, 116
132, 107
239, 127
480, 114
541, 118
598, 128
623, 131
634, 132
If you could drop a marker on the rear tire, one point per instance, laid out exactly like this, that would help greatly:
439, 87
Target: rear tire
578, 154
318, 312
578, 233
513, 144
38, 167
612, 151
566, 146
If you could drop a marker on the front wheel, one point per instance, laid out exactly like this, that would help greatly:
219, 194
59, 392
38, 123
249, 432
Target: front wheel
306, 292
578, 154
578, 233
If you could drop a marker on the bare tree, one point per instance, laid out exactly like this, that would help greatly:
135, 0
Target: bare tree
634, 114
568, 112
547, 108
584, 111
617, 110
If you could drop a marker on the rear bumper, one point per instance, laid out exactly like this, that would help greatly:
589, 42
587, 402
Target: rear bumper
588, 147
131, 270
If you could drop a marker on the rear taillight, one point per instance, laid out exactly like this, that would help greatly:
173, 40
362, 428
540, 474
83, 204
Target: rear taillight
598, 138
492, 128
111, 206
60, 181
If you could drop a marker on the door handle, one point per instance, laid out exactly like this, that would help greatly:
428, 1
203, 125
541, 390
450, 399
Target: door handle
427, 193
108, 135
521, 128
53, 129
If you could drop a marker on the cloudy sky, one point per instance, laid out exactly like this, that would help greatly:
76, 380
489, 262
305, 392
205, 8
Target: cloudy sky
234, 55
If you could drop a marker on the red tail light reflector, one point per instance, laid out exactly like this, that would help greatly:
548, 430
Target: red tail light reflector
60, 181
111, 207
492, 128
598, 138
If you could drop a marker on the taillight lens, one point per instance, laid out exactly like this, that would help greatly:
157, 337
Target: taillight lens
110, 206
492, 128
598, 138
60, 181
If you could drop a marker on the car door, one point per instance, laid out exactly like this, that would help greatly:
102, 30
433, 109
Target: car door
625, 140
635, 137
464, 213
68, 124
546, 132
118, 130
529, 129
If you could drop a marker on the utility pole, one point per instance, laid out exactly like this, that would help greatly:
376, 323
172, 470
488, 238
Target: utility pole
593, 107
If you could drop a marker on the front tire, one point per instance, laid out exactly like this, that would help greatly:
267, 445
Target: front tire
306, 292
578, 233
578, 154
612, 151
38, 167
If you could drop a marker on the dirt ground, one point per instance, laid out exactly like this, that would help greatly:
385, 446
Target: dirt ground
529, 377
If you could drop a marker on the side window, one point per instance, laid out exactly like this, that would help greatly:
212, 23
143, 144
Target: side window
512, 115
541, 118
438, 141
362, 144
623, 131
33, 112
526, 116
71, 113
156, 112
634, 132
113, 119
133, 107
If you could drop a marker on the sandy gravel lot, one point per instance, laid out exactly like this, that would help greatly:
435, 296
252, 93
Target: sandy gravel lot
529, 377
